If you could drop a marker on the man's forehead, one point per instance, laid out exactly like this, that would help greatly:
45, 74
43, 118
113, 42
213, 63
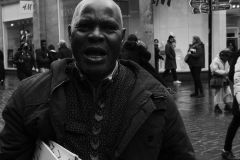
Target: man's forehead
89, 6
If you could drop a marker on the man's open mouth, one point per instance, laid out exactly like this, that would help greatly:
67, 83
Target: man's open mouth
95, 54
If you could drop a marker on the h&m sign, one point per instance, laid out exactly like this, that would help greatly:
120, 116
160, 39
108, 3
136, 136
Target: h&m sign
26, 6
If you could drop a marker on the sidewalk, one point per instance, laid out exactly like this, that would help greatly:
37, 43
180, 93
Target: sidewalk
206, 129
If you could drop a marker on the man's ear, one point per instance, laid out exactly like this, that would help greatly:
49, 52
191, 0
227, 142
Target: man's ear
123, 34
69, 32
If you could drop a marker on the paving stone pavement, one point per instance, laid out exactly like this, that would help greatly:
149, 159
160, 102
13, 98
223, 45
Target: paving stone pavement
206, 129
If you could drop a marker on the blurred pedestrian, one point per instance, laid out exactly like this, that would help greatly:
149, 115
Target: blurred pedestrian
29, 39
136, 50
196, 62
220, 67
234, 76
157, 54
25, 62
96, 106
44, 59
52, 52
63, 51
22, 36
170, 62
235, 123
2, 70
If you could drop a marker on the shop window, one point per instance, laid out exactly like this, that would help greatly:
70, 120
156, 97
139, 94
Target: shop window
13, 37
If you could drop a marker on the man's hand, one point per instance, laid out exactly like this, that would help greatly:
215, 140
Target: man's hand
36, 70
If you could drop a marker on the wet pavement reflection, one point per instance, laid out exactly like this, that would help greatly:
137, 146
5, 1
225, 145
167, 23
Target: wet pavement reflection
206, 129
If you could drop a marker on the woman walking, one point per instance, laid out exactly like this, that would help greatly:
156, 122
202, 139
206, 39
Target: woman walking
170, 63
196, 62
220, 67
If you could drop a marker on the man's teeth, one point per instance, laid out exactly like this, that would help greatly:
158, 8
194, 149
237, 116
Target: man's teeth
93, 56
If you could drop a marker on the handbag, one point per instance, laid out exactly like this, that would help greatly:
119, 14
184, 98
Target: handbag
217, 81
186, 58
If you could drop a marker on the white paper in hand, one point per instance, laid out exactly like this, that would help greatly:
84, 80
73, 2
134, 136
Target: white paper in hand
62, 153
43, 152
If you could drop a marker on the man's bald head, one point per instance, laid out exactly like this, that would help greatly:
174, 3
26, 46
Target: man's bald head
108, 3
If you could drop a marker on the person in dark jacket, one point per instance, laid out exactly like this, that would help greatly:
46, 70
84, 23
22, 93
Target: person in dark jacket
25, 62
2, 70
157, 54
95, 106
44, 59
170, 62
196, 62
235, 123
136, 51
52, 52
63, 51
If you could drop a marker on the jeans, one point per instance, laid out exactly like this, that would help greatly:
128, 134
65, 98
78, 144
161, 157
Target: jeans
174, 73
196, 71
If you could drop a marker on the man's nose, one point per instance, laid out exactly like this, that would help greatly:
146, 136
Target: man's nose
96, 35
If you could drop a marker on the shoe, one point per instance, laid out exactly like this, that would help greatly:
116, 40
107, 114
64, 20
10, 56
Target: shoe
2, 82
229, 155
227, 107
217, 109
200, 95
171, 91
194, 94
177, 82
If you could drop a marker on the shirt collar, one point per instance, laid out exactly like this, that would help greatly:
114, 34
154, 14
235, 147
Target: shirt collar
109, 77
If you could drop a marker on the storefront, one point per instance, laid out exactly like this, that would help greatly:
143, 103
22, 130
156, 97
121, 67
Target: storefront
14, 20
49, 20
179, 21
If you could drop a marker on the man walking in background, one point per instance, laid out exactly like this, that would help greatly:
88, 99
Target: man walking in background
63, 51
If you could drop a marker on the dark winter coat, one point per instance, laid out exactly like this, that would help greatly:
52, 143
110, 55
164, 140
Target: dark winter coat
28, 61
152, 128
44, 59
170, 62
197, 59
64, 52
2, 70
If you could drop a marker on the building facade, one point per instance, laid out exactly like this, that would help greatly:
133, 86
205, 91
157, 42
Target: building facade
49, 20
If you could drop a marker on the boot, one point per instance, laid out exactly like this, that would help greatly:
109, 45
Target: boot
217, 109
194, 94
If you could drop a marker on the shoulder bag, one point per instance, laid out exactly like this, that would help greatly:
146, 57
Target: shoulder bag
217, 81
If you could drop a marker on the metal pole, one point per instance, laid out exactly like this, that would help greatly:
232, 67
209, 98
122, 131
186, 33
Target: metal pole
209, 39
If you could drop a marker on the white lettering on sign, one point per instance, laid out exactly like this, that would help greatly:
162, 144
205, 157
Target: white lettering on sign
26, 6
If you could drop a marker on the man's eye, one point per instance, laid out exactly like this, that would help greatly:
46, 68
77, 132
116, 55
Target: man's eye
83, 26
109, 27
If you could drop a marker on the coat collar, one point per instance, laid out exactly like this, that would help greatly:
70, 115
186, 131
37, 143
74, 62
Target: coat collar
145, 81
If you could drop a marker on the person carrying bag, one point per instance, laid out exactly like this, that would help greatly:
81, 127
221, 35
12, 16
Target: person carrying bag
220, 68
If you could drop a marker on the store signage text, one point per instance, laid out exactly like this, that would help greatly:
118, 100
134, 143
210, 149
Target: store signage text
205, 8
217, 5
26, 6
